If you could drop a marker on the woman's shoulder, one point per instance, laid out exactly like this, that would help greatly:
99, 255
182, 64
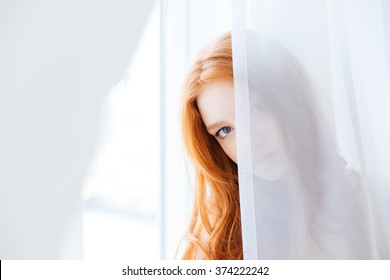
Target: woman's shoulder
371, 185
372, 192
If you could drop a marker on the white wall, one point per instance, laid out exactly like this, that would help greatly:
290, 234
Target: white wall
58, 60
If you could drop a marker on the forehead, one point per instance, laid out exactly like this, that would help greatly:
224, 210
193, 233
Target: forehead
216, 103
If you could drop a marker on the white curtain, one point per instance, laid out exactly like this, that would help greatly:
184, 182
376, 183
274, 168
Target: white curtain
59, 60
312, 89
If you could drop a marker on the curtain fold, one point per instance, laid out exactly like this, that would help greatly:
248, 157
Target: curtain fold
312, 91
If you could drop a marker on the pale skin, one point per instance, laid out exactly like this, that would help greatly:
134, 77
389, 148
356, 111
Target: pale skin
217, 109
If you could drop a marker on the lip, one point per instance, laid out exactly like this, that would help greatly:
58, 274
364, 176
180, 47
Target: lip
266, 159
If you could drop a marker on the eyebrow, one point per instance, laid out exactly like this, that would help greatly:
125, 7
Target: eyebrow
214, 125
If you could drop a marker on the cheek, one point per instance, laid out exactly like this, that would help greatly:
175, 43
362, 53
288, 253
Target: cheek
266, 134
229, 147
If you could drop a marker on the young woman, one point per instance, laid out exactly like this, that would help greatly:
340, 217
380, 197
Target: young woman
308, 202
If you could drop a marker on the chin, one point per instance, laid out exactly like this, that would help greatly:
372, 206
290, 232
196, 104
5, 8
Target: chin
273, 176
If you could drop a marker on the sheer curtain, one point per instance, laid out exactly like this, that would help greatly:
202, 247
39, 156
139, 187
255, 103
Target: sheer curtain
312, 89
59, 60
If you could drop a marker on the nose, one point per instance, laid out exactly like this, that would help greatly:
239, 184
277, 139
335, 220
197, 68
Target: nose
257, 136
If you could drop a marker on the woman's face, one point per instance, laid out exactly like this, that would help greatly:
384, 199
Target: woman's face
216, 106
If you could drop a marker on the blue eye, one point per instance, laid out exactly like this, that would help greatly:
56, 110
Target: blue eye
223, 132
257, 107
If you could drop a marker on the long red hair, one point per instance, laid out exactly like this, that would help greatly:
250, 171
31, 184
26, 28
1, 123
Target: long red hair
215, 228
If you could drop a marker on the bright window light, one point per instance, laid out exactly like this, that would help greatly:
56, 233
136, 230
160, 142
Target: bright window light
121, 192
